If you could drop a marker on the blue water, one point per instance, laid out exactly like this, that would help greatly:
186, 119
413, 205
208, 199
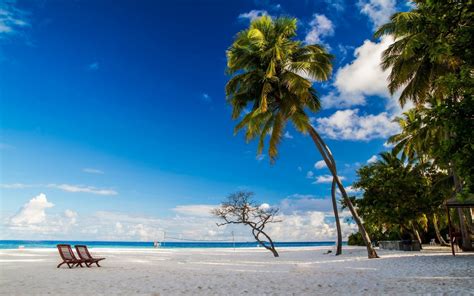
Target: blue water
14, 244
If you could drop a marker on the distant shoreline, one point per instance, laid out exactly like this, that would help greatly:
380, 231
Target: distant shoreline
41, 244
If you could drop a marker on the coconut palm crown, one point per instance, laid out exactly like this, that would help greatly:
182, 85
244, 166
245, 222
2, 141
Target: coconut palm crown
273, 73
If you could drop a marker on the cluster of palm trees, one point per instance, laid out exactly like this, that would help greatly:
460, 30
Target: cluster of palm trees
272, 84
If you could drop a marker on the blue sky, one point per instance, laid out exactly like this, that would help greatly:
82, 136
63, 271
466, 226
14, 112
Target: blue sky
114, 123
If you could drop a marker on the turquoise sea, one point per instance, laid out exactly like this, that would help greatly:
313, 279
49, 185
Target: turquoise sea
27, 244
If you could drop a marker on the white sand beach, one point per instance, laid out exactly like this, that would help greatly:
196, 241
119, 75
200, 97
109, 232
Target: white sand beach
299, 271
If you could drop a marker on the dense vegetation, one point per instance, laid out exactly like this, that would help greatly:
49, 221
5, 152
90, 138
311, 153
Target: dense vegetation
431, 62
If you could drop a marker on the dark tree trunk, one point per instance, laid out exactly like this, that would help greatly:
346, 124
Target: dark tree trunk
336, 216
256, 233
417, 235
437, 232
329, 160
466, 237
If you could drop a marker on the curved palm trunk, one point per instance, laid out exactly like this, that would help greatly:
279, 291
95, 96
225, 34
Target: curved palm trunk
329, 160
336, 216
437, 232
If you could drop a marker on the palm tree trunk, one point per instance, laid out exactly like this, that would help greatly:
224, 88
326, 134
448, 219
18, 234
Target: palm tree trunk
336, 216
466, 237
417, 235
437, 232
329, 160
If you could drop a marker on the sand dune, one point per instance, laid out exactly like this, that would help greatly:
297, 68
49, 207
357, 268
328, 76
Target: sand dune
299, 271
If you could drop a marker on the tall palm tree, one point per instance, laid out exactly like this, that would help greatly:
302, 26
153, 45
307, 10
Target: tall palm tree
271, 71
415, 60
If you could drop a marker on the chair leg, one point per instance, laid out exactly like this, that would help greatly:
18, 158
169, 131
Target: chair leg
59, 265
97, 264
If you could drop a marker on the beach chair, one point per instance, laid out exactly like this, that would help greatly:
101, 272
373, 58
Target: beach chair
68, 256
84, 254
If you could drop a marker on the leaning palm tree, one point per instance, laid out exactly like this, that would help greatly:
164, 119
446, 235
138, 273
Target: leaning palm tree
271, 72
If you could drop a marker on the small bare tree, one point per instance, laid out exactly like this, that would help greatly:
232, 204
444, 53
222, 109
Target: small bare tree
239, 208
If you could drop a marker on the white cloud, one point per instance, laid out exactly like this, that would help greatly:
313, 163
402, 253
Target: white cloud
33, 212
378, 11
349, 125
92, 171
300, 169
309, 175
287, 135
387, 145
253, 14
64, 187
326, 179
372, 159
360, 78
83, 189
71, 215
320, 164
320, 27
195, 210
351, 190
15, 186
11, 19
305, 218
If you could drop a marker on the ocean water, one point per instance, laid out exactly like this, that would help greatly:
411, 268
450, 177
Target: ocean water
27, 244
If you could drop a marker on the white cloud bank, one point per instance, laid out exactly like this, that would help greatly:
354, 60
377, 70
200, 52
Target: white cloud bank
349, 125
305, 218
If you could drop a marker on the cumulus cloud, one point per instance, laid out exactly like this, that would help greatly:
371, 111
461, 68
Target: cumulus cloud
92, 171
12, 19
83, 189
378, 11
326, 179
372, 159
253, 14
310, 175
360, 78
320, 164
349, 125
320, 27
33, 212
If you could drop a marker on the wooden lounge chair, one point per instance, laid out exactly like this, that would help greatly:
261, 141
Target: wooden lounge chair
68, 257
84, 254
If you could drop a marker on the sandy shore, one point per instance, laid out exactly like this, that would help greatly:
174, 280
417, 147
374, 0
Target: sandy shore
299, 271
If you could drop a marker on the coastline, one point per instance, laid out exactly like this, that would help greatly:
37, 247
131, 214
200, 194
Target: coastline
253, 271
